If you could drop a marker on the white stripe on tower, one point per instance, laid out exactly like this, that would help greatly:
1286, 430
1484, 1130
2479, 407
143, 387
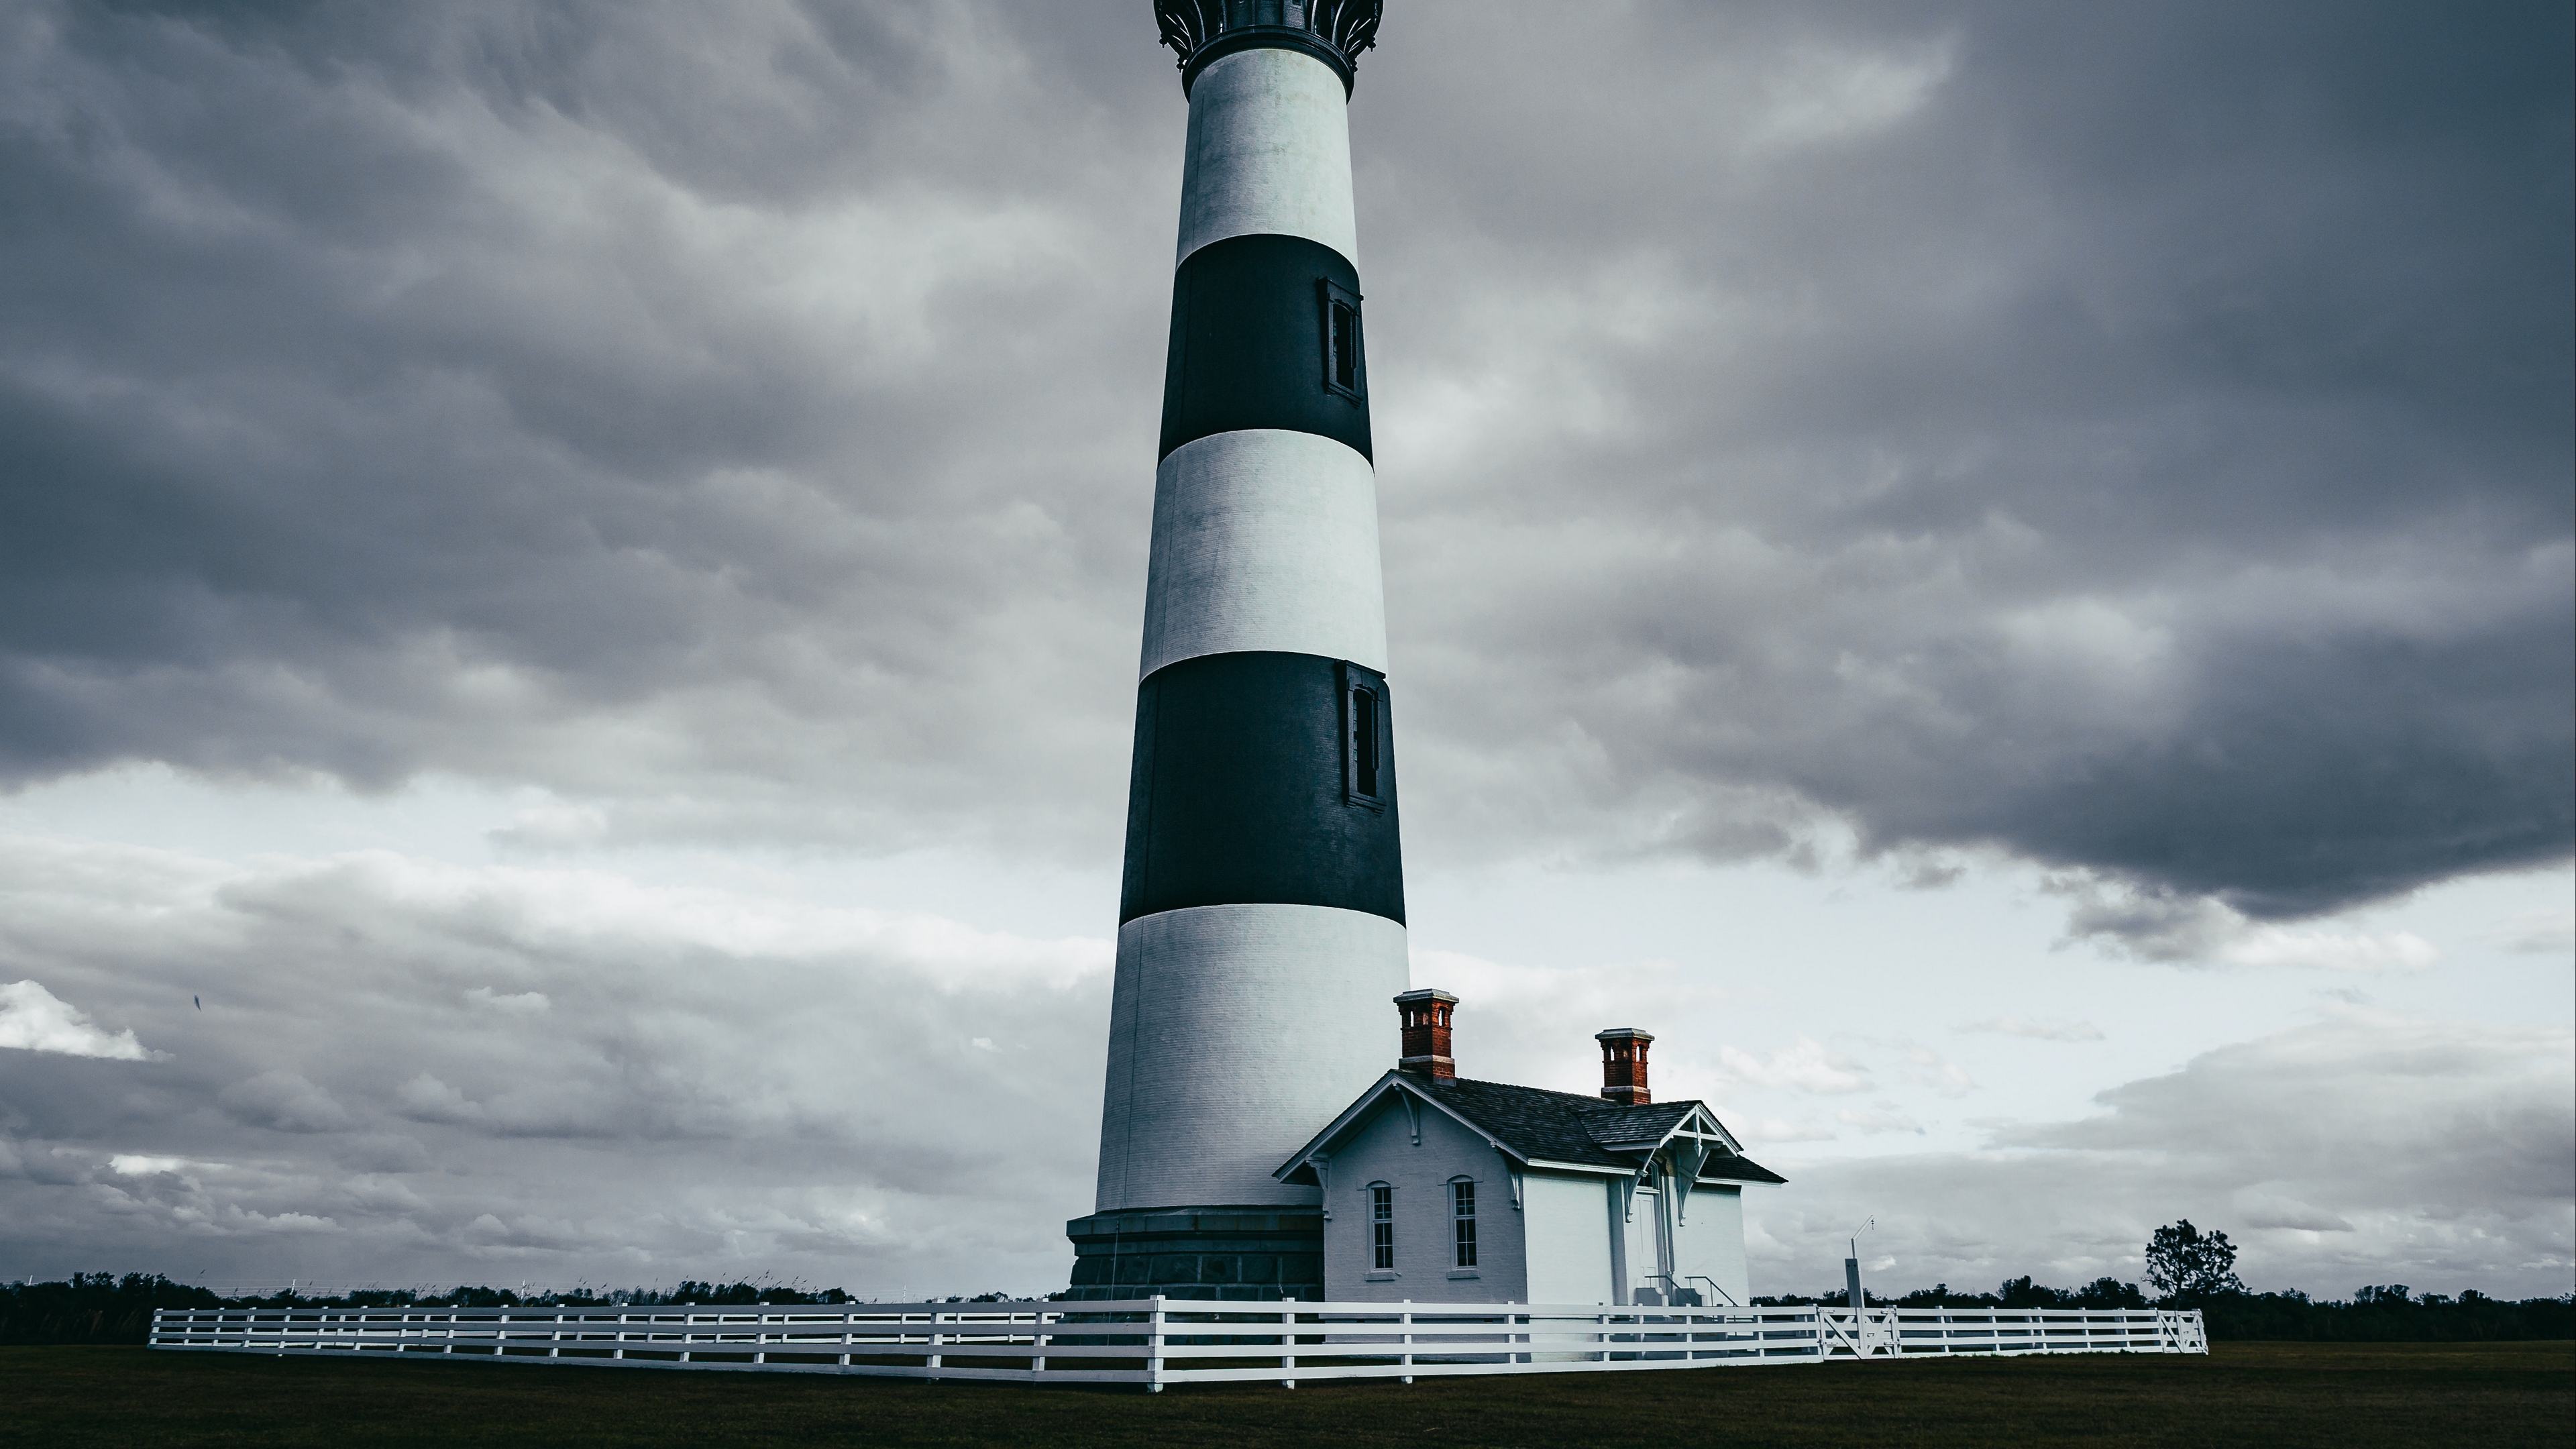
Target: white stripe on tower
1223, 999
1265, 538
1262, 920
1270, 154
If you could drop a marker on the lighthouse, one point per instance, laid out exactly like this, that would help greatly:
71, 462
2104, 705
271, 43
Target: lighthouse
1261, 918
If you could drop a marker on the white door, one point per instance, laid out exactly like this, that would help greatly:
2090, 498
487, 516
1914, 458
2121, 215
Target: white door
1645, 1208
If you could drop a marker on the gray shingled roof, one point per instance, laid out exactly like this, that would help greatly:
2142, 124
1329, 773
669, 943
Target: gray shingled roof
1564, 1127
1615, 1124
1729, 1167
1532, 1121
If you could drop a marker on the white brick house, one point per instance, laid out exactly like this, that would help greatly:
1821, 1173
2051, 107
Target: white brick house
1437, 1189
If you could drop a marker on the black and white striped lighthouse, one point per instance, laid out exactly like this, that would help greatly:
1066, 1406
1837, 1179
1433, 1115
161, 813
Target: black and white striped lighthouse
1261, 925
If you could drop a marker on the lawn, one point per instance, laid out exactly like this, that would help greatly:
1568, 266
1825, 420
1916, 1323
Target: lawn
2275, 1395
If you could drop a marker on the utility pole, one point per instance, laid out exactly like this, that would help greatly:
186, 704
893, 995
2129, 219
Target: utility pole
1851, 1280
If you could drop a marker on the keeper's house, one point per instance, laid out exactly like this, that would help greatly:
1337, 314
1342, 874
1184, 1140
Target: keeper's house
1442, 1190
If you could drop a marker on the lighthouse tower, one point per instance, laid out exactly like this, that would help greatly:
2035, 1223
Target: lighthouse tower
1261, 923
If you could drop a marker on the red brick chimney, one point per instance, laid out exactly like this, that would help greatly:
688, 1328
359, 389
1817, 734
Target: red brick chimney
1623, 1065
1426, 1016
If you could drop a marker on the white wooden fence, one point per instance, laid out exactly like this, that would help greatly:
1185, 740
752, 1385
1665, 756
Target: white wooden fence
1152, 1342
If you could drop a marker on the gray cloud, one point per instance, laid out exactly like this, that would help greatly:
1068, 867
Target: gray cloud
2135, 442
2363, 1146
283, 1101
425, 393
372, 1091
2148, 452
721, 1083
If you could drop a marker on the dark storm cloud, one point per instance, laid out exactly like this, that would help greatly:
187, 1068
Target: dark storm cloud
2137, 441
426, 391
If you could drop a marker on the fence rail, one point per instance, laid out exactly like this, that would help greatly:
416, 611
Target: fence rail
1153, 1342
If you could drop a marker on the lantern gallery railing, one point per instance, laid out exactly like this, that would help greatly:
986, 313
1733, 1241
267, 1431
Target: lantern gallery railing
1152, 1342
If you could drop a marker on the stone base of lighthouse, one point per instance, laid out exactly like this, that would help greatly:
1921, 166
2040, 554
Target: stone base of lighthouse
1244, 1255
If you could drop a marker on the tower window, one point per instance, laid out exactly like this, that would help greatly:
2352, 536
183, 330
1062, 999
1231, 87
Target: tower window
1381, 1226
1345, 358
1364, 741
1367, 774
1462, 1207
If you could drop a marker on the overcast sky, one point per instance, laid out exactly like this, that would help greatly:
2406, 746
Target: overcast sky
2003, 578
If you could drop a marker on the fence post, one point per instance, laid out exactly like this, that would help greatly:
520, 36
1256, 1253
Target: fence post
1406, 1318
1288, 1340
1154, 1346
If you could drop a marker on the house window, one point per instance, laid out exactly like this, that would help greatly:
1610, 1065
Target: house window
1364, 764
1345, 366
1381, 1226
1462, 1203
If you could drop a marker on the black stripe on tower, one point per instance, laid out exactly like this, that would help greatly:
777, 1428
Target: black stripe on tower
1263, 777
1266, 334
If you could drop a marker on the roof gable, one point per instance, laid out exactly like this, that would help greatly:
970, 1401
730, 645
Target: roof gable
1396, 1090
1649, 1127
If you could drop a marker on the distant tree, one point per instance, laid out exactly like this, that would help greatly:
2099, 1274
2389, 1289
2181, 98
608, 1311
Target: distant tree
480, 1296
2109, 1293
2021, 1292
2184, 1263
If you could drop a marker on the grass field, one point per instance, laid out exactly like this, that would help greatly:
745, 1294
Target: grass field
2276, 1395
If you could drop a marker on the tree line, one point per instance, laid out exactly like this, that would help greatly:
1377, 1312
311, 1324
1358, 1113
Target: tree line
2192, 1269
2378, 1313
108, 1308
